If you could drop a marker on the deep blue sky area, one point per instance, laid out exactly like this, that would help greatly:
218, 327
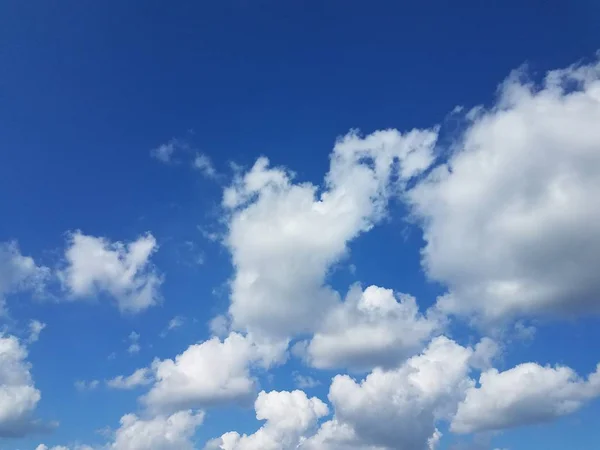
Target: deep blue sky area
89, 88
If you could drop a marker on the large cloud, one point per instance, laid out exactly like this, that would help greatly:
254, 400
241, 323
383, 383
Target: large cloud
18, 395
398, 409
288, 415
371, 328
284, 236
18, 272
510, 221
123, 270
524, 395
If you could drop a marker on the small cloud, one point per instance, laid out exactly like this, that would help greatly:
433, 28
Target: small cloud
112, 356
35, 328
140, 377
211, 236
205, 166
134, 346
83, 386
524, 332
173, 324
219, 326
305, 381
164, 152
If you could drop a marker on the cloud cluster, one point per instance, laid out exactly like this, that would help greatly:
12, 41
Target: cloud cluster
284, 236
509, 215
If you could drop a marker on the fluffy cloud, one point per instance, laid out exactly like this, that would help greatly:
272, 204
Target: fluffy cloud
288, 415
61, 447
371, 328
174, 432
162, 432
18, 395
524, 395
333, 435
211, 372
399, 408
284, 236
18, 272
510, 220
122, 270
140, 377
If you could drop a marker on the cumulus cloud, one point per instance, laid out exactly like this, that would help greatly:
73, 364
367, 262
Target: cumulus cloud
162, 432
18, 395
284, 236
524, 395
510, 220
209, 373
371, 328
140, 377
19, 273
289, 417
174, 432
123, 270
399, 408
62, 447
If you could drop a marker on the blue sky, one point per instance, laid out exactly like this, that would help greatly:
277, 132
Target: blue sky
188, 205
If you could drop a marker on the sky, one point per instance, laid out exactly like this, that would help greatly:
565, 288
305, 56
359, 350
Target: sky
316, 225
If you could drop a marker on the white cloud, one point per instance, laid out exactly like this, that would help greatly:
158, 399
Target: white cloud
175, 322
204, 165
284, 236
18, 273
305, 381
289, 417
524, 395
18, 395
164, 152
371, 328
35, 328
208, 373
174, 432
82, 386
134, 345
334, 435
140, 377
123, 270
510, 220
399, 408
62, 447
